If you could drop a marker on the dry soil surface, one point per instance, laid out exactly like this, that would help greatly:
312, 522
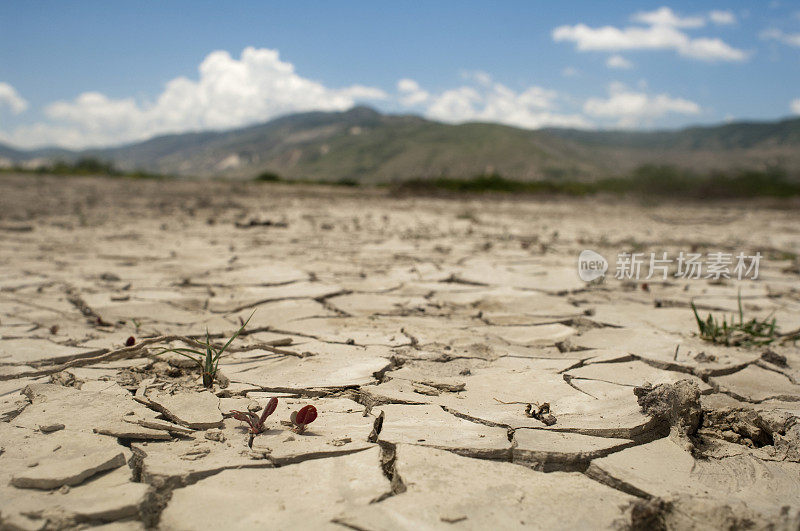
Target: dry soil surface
464, 375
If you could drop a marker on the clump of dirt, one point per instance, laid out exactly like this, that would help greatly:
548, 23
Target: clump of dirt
158, 370
676, 405
770, 356
67, 379
648, 515
540, 412
687, 512
787, 443
773, 436
740, 426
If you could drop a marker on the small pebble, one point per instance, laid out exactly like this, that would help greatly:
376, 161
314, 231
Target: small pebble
215, 434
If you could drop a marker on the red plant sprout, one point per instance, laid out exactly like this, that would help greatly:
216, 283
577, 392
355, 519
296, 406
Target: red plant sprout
303, 418
255, 422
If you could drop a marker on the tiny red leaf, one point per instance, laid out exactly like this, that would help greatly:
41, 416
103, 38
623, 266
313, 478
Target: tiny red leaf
241, 415
130, 341
306, 415
272, 405
269, 410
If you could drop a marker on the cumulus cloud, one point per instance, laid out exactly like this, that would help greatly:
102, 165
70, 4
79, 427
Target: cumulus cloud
489, 101
722, 18
478, 76
790, 39
662, 30
664, 16
795, 106
361, 92
619, 62
228, 92
11, 99
630, 108
410, 93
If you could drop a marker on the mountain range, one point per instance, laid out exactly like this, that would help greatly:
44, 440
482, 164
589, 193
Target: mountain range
368, 146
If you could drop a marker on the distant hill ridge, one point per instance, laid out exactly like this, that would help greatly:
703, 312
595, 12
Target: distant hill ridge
366, 145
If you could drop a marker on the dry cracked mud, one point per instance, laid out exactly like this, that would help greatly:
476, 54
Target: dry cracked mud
465, 377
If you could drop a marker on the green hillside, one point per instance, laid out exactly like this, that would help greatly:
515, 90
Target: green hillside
364, 145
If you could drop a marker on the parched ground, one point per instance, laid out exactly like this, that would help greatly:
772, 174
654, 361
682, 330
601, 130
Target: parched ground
512, 394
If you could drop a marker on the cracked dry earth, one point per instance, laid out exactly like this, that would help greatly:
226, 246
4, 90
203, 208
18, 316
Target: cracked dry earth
512, 394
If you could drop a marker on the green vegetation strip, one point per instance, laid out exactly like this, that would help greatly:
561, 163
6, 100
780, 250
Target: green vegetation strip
647, 180
664, 181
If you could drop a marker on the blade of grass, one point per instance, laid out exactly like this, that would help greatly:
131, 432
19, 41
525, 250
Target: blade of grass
222, 350
697, 317
741, 313
209, 349
197, 360
184, 352
179, 349
234, 336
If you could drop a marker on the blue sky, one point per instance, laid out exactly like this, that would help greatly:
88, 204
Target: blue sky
102, 73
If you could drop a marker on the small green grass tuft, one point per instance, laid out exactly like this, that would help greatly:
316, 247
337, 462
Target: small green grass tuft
753, 332
269, 177
208, 361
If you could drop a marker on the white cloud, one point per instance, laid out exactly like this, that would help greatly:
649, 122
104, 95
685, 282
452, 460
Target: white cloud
632, 108
664, 16
478, 76
790, 39
9, 97
570, 71
455, 105
711, 50
532, 108
619, 62
795, 106
228, 93
361, 92
410, 93
661, 31
722, 18
231, 92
